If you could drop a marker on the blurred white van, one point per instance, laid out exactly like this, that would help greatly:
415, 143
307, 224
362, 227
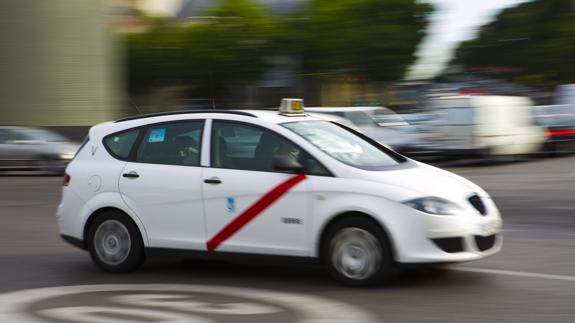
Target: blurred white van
487, 126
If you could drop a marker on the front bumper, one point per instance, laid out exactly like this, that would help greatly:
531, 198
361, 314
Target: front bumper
450, 238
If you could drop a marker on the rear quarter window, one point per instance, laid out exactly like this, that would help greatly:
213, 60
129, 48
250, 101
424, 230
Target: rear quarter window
120, 144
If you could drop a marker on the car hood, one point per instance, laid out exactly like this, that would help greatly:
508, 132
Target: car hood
421, 180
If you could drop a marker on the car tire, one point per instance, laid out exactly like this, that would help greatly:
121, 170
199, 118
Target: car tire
357, 252
115, 243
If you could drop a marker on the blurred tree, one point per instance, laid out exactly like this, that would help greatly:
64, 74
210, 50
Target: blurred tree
537, 39
226, 47
368, 37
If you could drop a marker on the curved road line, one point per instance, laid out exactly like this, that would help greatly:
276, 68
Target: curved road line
516, 273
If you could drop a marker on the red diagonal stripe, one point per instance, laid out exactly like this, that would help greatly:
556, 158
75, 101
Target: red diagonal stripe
263, 203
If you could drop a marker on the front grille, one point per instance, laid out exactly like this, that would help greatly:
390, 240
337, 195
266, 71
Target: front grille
449, 245
484, 243
477, 203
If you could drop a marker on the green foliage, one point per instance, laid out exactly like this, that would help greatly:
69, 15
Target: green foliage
537, 38
371, 37
230, 46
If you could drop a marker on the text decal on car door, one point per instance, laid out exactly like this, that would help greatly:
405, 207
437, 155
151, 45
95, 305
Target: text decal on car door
258, 207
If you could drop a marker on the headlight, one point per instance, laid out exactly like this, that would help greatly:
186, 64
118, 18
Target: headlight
434, 205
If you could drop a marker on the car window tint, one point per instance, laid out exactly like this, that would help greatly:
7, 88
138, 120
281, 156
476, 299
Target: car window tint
240, 146
10, 136
172, 144
120, 145
3, 136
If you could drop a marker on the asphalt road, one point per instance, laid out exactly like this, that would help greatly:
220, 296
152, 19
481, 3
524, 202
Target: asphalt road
531, 280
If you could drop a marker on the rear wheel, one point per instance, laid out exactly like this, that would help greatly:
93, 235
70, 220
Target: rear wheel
357, 252
115, 243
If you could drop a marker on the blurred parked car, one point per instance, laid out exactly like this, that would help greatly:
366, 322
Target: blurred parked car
560, 128
381, 124
480, 126
23, 148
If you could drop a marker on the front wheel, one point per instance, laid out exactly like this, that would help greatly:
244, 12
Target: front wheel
115, 243
357, 252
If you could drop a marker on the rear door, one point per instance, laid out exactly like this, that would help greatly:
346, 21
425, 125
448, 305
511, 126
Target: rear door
162, 184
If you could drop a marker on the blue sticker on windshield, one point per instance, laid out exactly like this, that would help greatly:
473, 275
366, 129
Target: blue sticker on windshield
157, 135
231, 204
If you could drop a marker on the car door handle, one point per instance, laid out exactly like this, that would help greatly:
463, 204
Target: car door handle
213, 180
131, 175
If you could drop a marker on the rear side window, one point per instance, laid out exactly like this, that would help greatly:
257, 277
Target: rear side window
175, 143
120, 145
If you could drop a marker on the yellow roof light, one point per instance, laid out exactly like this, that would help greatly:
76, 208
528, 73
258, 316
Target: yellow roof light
292, 107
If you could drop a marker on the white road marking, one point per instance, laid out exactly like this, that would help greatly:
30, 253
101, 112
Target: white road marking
15, 306
93, 314
516, 273
185, 304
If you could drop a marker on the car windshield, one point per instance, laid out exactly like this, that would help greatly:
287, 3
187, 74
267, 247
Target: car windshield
40, 135
343, 144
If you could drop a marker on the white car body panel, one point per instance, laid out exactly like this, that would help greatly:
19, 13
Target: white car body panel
168, 199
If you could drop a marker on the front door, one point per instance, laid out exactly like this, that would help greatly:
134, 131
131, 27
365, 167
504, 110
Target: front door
250, 207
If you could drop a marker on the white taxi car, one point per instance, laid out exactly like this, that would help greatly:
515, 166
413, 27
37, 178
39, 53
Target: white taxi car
267, 183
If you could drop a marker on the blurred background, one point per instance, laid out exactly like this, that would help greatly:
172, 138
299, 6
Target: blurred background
67, 65
483, 88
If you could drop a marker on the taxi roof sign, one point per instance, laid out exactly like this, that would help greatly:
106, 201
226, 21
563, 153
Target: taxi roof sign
292, 107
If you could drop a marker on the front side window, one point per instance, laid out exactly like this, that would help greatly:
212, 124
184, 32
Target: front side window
343, 144
119, 145
245, 147
175, 143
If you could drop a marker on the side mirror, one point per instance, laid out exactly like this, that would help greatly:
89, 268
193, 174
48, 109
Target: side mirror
286, 163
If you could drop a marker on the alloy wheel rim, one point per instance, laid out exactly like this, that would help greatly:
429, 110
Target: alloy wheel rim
112, 242
356, 253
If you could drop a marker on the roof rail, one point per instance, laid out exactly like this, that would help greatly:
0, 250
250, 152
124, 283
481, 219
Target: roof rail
161, 114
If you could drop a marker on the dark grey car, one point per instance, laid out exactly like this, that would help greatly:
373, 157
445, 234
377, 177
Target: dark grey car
24, 148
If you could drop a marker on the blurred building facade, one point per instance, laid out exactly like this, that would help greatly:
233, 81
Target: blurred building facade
58, 66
